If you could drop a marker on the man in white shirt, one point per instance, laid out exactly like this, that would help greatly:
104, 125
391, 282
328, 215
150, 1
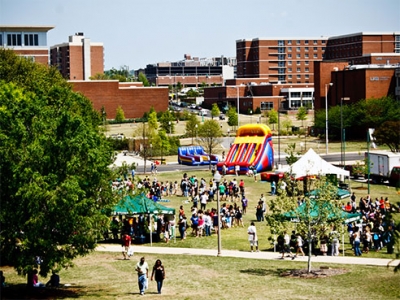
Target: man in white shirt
203, 201
253, 238
142, 269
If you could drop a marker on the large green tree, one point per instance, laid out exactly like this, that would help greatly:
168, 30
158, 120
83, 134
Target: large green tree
54, 168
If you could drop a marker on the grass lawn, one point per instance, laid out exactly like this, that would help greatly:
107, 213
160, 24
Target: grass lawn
106, 276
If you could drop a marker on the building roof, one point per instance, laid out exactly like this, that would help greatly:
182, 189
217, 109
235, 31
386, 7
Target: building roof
25, 28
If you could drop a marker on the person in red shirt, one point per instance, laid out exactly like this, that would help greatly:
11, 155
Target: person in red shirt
348, 207
126, 243
241, 187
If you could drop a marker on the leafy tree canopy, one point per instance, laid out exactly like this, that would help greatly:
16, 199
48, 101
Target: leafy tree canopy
209, 135
54, 168
232, 116
120, 115
215, 112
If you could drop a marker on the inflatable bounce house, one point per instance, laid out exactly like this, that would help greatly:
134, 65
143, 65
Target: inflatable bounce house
252, 147
195, 155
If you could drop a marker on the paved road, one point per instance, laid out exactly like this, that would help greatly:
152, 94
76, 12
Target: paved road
366, 261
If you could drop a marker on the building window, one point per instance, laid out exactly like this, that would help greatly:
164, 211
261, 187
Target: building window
298, 55
289, 77
298, 42
289, 49
306, 42
281, 71
307, 62
281, 77
281, 50
306, 49
281, 43
281, 57
306, 56
14, 39
307, 76
266, 105
1, 39
323, 48
281, 64
289, 69
295, 95
315, 55
307, 94
315, 42
307, 69
315, 48
298, 49
298, 70
289, 56
289, 42
289, 63
323, 41
298, 62
298, 76
31, 39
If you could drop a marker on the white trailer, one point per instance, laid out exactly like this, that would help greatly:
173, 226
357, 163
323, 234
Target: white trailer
381, 164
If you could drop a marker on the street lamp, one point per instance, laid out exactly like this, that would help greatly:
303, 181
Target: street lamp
326, 115
217, 179
169, 124
196, 130
342, 134
251, 116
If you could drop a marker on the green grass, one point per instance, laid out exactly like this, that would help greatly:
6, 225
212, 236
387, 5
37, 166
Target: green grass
105, 276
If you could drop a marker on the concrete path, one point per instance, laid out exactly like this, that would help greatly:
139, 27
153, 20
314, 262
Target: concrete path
256, 255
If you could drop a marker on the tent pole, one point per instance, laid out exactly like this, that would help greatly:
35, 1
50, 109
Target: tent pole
151, 231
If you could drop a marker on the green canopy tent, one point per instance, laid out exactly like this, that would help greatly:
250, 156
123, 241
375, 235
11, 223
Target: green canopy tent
140, 204
315, 207
134, 205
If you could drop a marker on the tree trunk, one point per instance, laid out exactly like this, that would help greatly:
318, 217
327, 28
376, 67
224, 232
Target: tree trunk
309, 249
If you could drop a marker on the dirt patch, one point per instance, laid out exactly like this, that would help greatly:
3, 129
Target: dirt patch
315, 273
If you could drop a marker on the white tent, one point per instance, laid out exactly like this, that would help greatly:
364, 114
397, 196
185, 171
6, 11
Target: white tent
312, 164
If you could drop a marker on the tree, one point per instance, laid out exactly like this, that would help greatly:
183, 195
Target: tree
215, 112
143, 79
209, 136
119, 116
152, 120
389, 134
314, 218
167, 121
272, 117
301, 115
232, 116
287, 123
55, 189
192, 125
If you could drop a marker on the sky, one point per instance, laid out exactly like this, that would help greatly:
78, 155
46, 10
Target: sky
136, 33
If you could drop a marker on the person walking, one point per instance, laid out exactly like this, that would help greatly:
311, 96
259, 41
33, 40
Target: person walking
126, 244
158, 274
253, 238
142, 269
286, 246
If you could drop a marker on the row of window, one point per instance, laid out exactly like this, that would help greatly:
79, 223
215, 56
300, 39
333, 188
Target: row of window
298, 42
298, 70
15, 39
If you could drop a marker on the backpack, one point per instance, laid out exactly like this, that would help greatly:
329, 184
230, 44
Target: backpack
376, 236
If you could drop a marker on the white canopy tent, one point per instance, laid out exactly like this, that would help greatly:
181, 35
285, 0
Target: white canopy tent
312, 164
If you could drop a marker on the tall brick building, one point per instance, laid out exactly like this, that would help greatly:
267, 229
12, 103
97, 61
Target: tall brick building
79, 59
26, 41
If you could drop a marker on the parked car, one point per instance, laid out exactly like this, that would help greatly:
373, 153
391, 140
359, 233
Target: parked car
193, 106
222, 117
203, 112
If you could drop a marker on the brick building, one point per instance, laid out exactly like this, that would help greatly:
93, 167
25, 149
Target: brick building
133, 98
26, 41
281, 60
79, 59
282, 73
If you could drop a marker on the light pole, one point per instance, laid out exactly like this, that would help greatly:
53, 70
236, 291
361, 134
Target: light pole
217, 179
279, 133
342, 134
237, 103
196, 130
326, 115
169, 125
251, 116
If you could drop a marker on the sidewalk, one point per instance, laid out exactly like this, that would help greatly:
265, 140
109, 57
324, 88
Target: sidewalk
255, 255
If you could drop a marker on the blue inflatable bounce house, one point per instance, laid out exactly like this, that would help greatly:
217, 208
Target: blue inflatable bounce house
195, 155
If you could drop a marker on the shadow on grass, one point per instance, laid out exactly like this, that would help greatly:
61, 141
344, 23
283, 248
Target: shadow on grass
20, 291
263, 272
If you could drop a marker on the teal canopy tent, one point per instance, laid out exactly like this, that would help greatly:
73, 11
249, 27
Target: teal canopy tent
315, 207
133, 205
